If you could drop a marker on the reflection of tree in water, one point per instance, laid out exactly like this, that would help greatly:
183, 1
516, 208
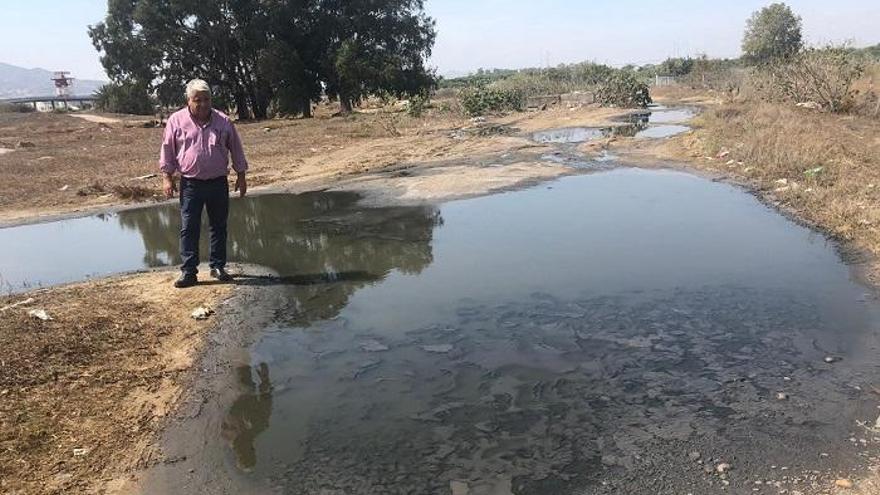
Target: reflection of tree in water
635, 123
321, 243
249, 415
160, 229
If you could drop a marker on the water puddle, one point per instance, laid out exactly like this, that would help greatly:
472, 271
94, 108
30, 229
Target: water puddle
661, 131
654, 123
663, 115
568, 135
298, 236
574, 338
658, 122
581, 336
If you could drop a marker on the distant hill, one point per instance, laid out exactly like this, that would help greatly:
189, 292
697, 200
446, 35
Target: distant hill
16, 82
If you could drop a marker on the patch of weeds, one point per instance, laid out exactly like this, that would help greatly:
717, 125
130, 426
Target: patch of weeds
493, 130
133, 192
92, 189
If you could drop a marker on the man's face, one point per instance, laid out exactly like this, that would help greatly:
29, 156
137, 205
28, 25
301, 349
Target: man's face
200, 105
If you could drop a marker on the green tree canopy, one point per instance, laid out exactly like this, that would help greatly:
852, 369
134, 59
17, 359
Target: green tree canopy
676, 66
259, 52
772, 33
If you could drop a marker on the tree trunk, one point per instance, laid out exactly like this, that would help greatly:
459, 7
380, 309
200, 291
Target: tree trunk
241, 105
306, 107
259, 108
345, 103
264, 100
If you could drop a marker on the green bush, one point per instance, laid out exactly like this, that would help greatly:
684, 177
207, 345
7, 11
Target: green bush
124, 98
415, 107
564, 78
623, 89
478, 101
677, 66
555, 80
529, 84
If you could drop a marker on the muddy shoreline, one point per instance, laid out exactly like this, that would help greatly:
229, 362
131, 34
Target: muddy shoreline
186, 466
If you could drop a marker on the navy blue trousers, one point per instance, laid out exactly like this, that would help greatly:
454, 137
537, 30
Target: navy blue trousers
212, 195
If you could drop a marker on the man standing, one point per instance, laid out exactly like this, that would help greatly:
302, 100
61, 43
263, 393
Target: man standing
197, 143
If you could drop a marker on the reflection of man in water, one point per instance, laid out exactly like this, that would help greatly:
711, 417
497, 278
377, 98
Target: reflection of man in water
249, 415
197, 144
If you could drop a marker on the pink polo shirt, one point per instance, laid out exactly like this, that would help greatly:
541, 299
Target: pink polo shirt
200, 152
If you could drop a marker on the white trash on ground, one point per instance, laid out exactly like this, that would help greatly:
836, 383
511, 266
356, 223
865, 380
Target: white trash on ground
40, 314
202, 313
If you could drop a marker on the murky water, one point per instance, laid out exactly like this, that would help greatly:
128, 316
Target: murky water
661, 131
664, 115
658, 122
582, 336
654, 123
295, 235
568, 135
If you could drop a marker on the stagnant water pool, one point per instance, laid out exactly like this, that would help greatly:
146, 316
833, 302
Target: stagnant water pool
618, 332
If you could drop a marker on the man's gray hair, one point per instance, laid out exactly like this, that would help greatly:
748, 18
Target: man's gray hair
197, 86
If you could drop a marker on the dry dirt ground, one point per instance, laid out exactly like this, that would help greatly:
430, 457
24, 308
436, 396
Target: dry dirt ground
65, 164
82, 395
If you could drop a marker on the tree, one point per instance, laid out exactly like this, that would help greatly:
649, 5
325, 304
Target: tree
872, 52
160, 44
257, 53
124, 98
375, 46
676, 67
772, 33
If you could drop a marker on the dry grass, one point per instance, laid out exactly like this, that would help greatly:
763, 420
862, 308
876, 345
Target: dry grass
82, 395
868, 101
680, 94
824, 166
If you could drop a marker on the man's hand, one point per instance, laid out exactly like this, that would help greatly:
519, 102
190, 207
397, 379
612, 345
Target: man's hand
168, 185
241, 185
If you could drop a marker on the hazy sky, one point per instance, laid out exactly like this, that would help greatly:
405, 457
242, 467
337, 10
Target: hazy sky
491, 33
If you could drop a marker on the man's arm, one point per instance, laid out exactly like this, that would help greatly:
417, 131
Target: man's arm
239, 162
168, 185
168, 160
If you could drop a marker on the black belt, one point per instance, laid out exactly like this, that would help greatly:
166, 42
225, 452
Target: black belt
215, 179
